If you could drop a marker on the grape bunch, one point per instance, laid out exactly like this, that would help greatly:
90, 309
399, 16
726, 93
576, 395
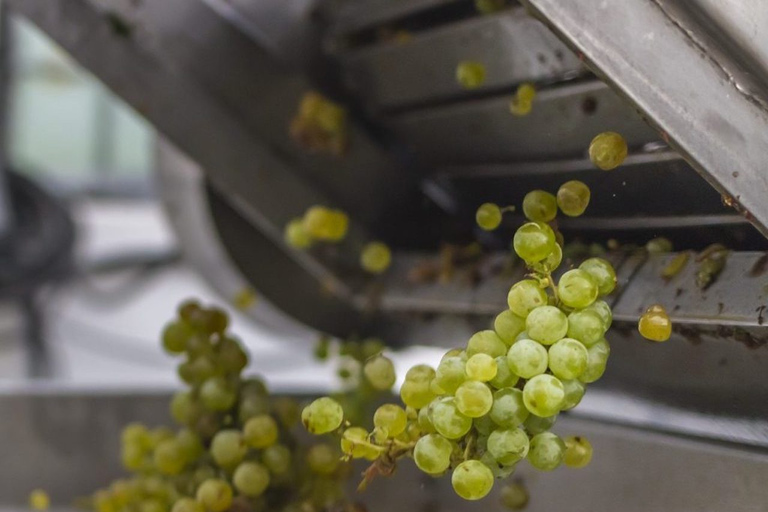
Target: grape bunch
492, 403
236, 448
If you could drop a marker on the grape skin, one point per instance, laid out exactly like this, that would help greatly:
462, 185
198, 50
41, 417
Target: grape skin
546, 324
376, 257
525, 296
432, 454
577, 289
380, 372
546, 451
573, 198
608, 150
474, 399
470, 75
322, 416
568, 359
508, 445
527, 358
544, 395
488, 216
534, 241
540, 206
481, 367
472, 480
578, 452
655, 324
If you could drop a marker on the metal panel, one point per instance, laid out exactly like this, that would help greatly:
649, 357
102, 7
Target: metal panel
696, 69
512, 46
355, 15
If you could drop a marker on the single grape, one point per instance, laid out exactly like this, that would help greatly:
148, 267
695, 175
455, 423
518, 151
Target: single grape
508, 325
175, 337
568, 359
603, 273
133, 457
190, 443
488, 216
451, 373
527, 358
187, 505
658, 245
508, 409
354, 442
296, 235
287, 411
551, 262
260, 431
228, 448
432, 454
514, 496
230, 355
251, 479
546, 324
474, 399
604, 310
158, 435
578, 452
322, 416
322, 459
577, 289
184, 408
573, 198
546, 451
534, 241
448, 420
135, 434
391, 418
508, 445
470, 75
481, 367
536, 424
597, 358
215, 495
504, 378
39, 500
472, 480
486, 342
544, 395
424, 421
380, 372
586, 325
169, 457
608, 150
251, 406
416, 391
216, 395
574, 392
522, 101
484, 426
655, 324
539, 206
525, 296
338, 225
376, 257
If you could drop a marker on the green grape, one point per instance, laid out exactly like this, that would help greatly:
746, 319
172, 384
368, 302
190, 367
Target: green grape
484, 425
455, 352
323, 223
536, 424
533, 242
190, 443
448, 420
432, 454
604, 310
260, 431
231, 357
253, 387
543, 395
416, 394
508, 445
322, 459
568, 359
522, 336
251, 406
508, 325
470, 75
371, 347
474, 399
287, 411
658, 245
420, 373
539, 206
525, 296
354, 442
196, 370
380, 372
169, 457
450, 374
488, 216
187, 505
135, 434
184, 408
573, 198
216, 395
514, 496
481, 367
546, 324
551, 262
522, 102
577, 289
425, 422
608, 150
158, 435
578, 452
375, 257
391, 418
603, 274
486, 342
251, 479
152, 505
574, 392
175, 337
199, 344
472, 480
655, 324
216, 320
586, 325
527, 358
546, 451
508, 409
597, 358
215, 495
133, 457
504, 378
228, 448
498, 470
322, 416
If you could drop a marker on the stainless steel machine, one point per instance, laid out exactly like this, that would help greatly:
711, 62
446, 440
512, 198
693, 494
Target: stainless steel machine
681, 426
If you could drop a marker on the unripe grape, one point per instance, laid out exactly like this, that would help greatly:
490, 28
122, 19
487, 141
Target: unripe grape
544, 395
527, 359
539, 206
472, 480
586, 325
604, 310
216, 395
597, 358
391, 418
525, 296
376, 257
536, 424
574, 392
508, 409
451, 374
432, 454
481, 367
608, 150
578, 452
448, 420
187, 505
322, 416
534, 241
215, 495
39, 500
602, 272
488, 216
354, 442
508, 325
568, 359
573, 198
474, 399
546, 451
260, 431
228, 448
655, 324
577, 289
505, 378
508, 445
175, 337
546, 324
169, 457
296, 236
486, 342
322, 459
470, 75
380, 372
514, 496
251, 479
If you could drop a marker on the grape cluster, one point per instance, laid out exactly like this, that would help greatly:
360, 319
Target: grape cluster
236, 448
318, 224
491, 403
320, 125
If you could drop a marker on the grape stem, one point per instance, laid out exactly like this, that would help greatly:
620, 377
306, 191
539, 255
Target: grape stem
551, 283
468, 448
